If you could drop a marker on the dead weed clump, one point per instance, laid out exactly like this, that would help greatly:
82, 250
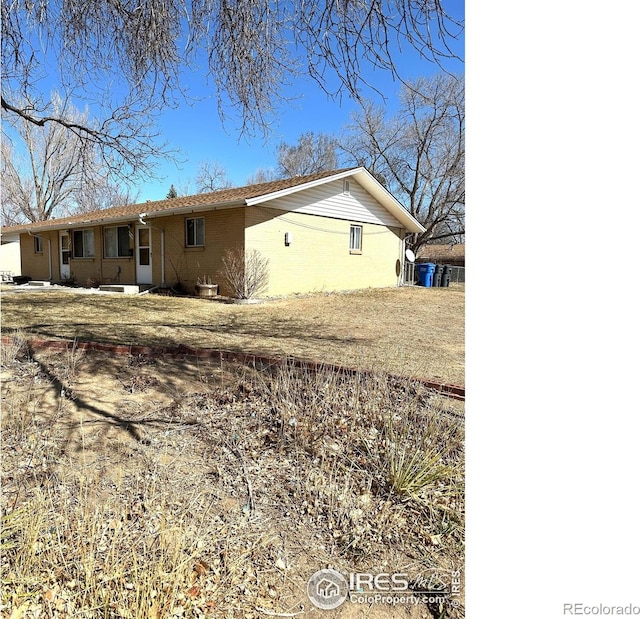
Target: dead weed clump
13, 350
246, 483
373, 453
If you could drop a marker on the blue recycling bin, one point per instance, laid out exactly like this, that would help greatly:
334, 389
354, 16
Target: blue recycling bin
422, 274
431, 271
425, 273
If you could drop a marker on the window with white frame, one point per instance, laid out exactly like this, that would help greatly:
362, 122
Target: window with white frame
117, 242
37, 244
83, 243
195, 231
355, 239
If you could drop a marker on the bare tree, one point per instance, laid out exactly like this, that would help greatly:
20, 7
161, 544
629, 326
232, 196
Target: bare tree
419, 153
186, 187
101, 194
211, 177
313, 153
124, 138
263, 175
55, 174
253, 49
36, 186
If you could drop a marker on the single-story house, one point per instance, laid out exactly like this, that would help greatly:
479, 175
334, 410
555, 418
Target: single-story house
329, 231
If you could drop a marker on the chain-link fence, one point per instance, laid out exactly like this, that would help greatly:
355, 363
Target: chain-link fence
457, 275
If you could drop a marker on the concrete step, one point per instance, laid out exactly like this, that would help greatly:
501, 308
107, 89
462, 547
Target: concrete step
127, 289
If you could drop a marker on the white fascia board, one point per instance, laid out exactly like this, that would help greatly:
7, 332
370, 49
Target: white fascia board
70, 225
285, 192
106, 221
388, 200
196, 208
365, 179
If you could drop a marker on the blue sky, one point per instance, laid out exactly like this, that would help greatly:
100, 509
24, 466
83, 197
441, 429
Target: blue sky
197, 132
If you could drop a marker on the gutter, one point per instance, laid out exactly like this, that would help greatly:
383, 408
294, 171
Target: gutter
105, 221
196, 208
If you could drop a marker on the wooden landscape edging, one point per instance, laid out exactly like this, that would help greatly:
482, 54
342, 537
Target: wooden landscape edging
451, 391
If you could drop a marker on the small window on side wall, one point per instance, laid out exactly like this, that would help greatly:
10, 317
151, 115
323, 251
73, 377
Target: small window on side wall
355, 240
194, 231
37, 244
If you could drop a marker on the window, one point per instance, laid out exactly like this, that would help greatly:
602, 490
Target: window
355, 239
195, 231
83, 245
37, 244
117, 243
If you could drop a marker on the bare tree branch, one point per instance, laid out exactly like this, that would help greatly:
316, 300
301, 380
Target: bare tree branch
59, 172
212, 176
419, 153
253, 49
262, 175
313, 153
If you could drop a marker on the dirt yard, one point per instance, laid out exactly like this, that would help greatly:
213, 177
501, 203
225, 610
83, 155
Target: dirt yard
136, 487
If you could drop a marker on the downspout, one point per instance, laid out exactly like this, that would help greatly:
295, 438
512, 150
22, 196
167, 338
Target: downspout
162, 255
403, 263
49, 241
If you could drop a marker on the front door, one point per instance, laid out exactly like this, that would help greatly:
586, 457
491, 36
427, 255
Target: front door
65, 253
143, 255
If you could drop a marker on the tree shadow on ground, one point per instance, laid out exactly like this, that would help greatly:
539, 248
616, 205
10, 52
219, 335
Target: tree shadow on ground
281, 335
124, 423
227, 321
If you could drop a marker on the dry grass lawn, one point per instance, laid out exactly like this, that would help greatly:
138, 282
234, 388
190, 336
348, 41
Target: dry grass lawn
137, 488
409, 331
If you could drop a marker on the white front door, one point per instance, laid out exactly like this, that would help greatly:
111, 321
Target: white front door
65, 253
143, 255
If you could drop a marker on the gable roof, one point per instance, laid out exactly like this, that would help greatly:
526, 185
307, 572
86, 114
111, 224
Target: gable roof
226, 198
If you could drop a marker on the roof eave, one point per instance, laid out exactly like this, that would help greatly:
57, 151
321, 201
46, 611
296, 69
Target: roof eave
365, 178
196, 208
295, 188
388, 200
100, 221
